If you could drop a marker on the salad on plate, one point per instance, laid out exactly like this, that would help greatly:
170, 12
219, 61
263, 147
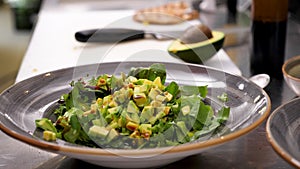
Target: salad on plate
134, 110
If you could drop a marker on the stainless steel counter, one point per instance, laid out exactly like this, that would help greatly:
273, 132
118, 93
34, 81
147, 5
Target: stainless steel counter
249, 151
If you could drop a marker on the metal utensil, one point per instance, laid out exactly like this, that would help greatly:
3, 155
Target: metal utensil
262, 80
111, 35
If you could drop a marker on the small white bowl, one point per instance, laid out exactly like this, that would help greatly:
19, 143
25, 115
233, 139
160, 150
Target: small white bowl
291, 73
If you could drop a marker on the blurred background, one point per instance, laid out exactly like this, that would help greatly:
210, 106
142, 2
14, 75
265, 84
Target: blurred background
15, 36
18, 18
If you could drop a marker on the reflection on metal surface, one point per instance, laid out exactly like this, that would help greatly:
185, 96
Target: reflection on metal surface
5, 159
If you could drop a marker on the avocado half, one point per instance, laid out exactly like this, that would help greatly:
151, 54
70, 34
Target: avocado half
197, 52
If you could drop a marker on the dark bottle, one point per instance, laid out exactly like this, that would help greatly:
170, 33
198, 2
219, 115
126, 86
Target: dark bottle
232, 11
269, 24
232, 7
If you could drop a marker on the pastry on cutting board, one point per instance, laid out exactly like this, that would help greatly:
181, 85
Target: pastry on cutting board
170, 13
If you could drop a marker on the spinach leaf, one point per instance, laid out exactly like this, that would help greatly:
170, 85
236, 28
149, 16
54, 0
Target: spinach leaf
223, 114
173, 89
150, 73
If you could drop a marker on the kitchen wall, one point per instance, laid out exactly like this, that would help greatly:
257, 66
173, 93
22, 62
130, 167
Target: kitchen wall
13, 45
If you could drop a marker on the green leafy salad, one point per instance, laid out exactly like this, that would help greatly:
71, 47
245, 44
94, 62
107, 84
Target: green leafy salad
137, 110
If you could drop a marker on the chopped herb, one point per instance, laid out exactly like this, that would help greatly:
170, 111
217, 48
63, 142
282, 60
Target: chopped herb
223, 97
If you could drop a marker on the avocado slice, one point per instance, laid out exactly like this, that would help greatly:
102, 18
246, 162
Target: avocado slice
96, 131
49, 135
197, 52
